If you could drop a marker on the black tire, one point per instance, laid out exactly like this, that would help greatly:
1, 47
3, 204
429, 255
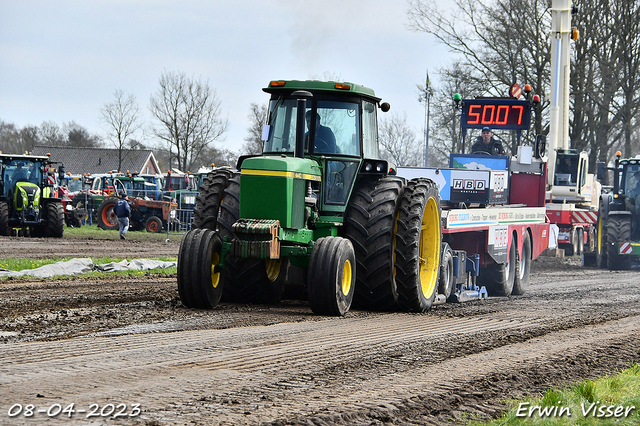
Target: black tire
153, 224
618, 230
247, 280
601, 239
107, 218
446, 278
210, 195
54, 224
521, 281
499, 278
572, 247
417, 245
579, 241
199, 284
4, 219
331, 277
369, 225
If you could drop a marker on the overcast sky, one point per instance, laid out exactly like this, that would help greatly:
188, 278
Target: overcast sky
62, 61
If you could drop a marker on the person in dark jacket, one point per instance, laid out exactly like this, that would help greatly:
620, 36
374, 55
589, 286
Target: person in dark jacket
123, 211
325, 140
486, 143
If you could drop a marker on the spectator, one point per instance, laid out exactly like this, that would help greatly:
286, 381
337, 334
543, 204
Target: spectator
123, 211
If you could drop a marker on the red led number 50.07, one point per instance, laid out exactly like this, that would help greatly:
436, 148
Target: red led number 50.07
495, 115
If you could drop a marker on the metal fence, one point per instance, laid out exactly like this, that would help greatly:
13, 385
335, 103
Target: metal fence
180, 221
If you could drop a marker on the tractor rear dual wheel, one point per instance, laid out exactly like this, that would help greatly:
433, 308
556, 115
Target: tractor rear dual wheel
209, 199
601, 239
418, 240
618, 230
369, 225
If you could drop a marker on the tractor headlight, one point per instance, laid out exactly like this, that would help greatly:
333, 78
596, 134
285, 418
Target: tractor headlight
380, 167
368, 167
172, 214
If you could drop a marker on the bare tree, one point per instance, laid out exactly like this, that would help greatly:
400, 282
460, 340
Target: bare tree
188, 111
122, 121
51, 134
398, 142
254, 143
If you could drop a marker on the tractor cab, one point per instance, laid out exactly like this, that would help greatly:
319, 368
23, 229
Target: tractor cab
336, 128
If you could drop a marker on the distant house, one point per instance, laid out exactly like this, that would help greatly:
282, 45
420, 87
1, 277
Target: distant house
78, 161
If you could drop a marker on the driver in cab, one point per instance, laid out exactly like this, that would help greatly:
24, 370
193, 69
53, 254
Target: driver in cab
487, 144
324, 139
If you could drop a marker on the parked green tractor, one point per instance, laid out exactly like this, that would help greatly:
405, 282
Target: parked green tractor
319, 200
27, 204
618, 227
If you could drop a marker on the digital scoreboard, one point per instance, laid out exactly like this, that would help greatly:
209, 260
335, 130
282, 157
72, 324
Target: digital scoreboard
496, 113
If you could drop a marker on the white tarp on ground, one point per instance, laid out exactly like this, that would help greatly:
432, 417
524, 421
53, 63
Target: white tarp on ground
84, 265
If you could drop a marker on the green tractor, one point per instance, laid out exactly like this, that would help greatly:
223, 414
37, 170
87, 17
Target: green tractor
618, 227
27, 204
320, 204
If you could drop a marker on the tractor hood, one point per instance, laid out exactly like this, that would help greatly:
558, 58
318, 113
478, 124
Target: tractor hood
274, 187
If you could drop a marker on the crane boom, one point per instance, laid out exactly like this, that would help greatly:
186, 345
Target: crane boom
560, 43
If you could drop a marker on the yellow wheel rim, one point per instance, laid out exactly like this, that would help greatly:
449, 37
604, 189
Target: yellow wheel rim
429, 248
346, 277
599, 236
215, 276
273, 268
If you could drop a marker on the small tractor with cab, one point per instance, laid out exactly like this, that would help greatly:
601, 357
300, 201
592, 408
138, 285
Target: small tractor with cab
28, 205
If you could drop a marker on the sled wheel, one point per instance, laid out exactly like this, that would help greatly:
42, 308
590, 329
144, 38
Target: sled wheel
499, 278
417, 245
331, 276
199, 284
446, 278
521, 281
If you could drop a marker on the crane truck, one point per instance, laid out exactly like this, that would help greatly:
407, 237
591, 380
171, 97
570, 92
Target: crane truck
572, 192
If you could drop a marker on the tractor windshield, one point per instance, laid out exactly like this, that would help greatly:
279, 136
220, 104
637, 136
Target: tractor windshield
631, 180
21, 171
333, 126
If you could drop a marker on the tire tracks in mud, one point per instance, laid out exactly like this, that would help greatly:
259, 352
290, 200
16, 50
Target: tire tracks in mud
290, 370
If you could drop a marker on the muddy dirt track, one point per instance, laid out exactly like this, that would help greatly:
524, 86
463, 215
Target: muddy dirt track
126, 341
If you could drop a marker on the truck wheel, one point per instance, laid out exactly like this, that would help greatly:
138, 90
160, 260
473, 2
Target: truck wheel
446, 278
601, 239
210, 194
417, 245
153, 224
521, 281
247, 280
331, 277
107, 219
4, 218
579, 241
618, 230
499, 278
199, 284
369, 226
54, 225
